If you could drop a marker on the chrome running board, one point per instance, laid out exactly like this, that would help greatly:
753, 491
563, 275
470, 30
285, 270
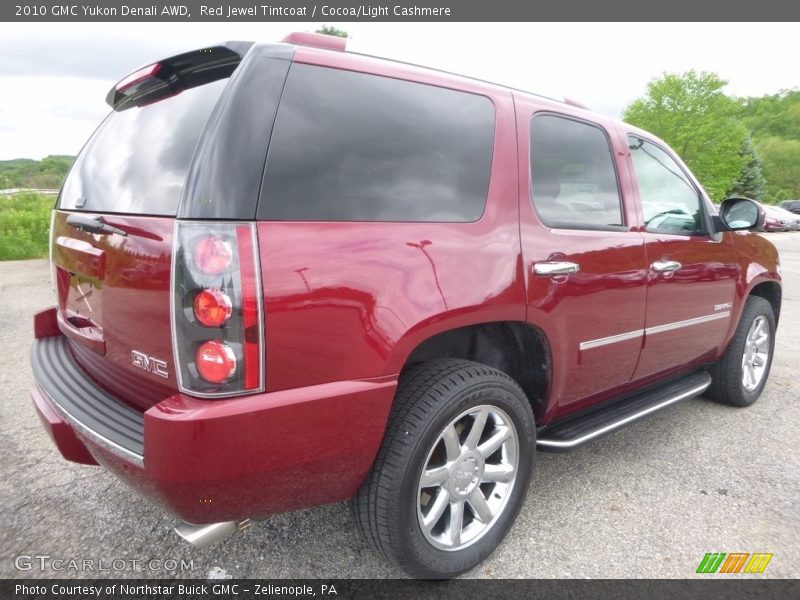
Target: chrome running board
597, 422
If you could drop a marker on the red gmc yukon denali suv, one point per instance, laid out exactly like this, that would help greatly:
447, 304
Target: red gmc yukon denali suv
288, 275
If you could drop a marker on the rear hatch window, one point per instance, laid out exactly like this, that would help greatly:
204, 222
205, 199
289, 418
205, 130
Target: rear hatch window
137, 160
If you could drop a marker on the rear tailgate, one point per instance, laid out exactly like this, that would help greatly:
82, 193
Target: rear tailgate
113, 298
111, 239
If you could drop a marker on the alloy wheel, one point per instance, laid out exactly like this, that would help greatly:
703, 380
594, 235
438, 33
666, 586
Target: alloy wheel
467, 478
756, 354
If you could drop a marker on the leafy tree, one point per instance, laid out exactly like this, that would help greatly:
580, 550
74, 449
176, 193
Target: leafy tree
691, 112
775, 123
781, 166
750, 183
331, 30
775, 115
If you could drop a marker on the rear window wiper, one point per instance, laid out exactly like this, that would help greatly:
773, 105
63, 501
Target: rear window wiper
93, 225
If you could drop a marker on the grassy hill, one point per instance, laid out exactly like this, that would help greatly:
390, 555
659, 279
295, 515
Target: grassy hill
47, 173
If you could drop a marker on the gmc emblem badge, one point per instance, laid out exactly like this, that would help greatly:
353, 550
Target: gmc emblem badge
149, 363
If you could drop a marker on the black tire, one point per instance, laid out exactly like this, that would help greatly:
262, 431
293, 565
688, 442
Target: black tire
727, 386
429, 397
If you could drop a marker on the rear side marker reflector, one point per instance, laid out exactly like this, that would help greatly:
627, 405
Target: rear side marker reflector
250, 307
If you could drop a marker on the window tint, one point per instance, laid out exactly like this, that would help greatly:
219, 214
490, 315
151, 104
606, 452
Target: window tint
573, 180
349, 146
137, 160
669, 200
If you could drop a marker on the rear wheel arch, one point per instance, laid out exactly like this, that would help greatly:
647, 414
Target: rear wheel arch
518, 349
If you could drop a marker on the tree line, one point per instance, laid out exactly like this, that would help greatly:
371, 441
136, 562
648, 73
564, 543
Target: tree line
47, 173
735, 146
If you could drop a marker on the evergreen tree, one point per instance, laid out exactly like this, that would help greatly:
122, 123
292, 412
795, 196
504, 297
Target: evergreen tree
751, 182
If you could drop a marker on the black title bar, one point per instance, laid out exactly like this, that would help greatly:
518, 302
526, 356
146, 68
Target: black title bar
397, 10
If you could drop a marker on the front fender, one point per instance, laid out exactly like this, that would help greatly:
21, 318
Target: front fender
759, 262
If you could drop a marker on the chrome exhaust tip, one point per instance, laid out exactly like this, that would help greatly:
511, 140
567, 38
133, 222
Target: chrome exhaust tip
203, 536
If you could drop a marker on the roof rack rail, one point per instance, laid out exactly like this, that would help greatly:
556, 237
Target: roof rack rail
573, 102
478, 79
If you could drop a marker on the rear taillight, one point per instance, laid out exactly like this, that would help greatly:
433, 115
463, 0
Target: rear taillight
215, 361
217, 309
212, 308
212, 254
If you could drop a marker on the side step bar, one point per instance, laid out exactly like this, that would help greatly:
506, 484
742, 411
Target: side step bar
575, 431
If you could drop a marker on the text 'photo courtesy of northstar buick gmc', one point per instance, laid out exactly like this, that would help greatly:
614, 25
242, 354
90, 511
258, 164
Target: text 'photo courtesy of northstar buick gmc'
289, 275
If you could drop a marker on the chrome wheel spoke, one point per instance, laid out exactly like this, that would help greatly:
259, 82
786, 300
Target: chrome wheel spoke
501, 473
479, 506
451, 444
437, 510
434, 476
756, 354
491, 445
476, 431
456, 522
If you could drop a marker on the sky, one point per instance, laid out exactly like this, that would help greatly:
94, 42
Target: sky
54, 77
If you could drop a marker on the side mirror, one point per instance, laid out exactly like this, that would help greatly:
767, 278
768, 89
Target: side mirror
738, 214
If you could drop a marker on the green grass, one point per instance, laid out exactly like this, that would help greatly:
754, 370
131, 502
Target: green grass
24, 225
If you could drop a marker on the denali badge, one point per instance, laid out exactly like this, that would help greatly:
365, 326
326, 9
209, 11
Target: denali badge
148, 363
723, 306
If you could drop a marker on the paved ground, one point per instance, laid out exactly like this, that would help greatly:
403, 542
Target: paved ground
648, 501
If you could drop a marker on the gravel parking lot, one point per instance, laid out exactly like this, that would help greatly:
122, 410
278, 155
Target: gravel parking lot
649, 501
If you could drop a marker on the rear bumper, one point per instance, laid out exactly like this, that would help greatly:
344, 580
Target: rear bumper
217, 460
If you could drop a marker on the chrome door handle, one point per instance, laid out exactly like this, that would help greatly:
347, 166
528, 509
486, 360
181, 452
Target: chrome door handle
665, 265
553, 267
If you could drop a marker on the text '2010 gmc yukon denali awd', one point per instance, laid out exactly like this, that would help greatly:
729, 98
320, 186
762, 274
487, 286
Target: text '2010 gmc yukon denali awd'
288, 275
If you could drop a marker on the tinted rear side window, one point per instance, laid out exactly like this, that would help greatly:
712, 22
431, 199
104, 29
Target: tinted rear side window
573, 179
356, 147
137, 160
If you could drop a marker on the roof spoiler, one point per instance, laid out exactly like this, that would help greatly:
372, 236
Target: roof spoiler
173, 75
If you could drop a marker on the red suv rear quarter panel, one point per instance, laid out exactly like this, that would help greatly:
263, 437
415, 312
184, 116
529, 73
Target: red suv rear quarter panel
352, 300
